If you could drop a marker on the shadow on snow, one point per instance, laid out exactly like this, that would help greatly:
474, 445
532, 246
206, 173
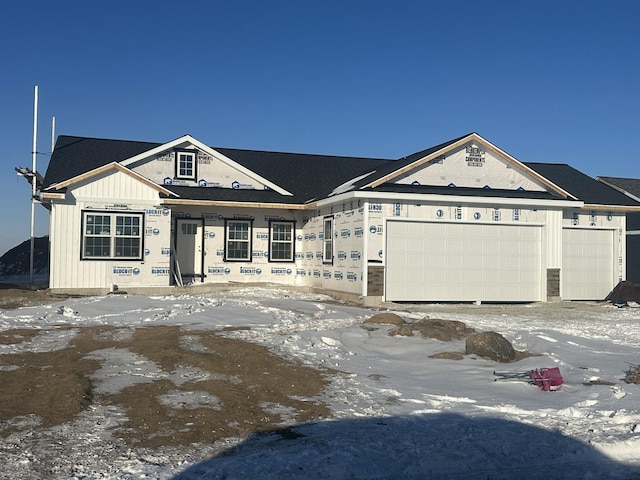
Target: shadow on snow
431, 446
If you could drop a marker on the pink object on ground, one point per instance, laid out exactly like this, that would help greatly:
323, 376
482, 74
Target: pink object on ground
546, 378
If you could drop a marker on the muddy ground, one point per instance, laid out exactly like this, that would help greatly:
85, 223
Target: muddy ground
242, 389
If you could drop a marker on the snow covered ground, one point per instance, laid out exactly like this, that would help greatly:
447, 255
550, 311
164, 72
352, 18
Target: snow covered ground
396, 412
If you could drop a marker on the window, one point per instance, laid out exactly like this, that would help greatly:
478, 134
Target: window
327, 253
237, 240
281, 236
108, 235
186, 165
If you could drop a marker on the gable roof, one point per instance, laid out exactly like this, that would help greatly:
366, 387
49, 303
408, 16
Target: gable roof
415, 160
582, 186
306, 176
109, 167
303, 178
628, 186
73, 156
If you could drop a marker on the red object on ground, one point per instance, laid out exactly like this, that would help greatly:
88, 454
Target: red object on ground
546, 378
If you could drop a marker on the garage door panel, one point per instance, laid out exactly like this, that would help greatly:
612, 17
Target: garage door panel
465, 262
587, 263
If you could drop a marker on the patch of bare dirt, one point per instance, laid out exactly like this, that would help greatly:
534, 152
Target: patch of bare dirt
12, 297
253, 389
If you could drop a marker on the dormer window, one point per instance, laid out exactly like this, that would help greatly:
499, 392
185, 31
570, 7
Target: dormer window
186, 165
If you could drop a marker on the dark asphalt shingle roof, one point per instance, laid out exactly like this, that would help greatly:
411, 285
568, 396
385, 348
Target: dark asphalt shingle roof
580, 185
73, 156
630, 185
309, 177
306, 176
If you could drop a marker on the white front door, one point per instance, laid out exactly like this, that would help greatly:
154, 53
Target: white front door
189, 246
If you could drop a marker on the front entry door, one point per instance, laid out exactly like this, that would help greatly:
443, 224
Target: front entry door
189, 246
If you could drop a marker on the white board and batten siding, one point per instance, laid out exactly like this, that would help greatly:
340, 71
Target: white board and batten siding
113, 191
442, 261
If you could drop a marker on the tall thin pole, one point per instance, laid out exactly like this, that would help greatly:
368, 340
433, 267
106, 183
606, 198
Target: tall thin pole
53, 133
34, 154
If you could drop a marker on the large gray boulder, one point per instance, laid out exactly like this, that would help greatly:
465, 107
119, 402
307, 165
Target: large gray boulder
443, 330
490, 345
386, 318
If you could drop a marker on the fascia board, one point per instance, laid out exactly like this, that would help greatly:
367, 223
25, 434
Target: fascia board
417, 163
105, 168
188, 139
220, 203
457, 199
52, 196
612, 208
474, 136
159, 149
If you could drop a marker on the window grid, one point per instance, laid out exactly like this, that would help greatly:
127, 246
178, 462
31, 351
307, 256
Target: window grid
238, 240
101, 241
186, 165
281, 244
327, 256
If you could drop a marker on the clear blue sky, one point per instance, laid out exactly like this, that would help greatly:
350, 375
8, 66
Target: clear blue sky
547, 81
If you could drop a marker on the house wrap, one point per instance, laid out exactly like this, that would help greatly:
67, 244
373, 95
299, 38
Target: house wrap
460, 221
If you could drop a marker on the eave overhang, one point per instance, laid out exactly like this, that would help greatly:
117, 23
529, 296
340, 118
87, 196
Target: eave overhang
104, 169
227, 203
415, 198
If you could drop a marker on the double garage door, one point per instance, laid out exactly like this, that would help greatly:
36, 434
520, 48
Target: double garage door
437, 261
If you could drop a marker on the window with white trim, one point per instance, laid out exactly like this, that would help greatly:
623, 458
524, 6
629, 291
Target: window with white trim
281, 241
107, 235
186, 164
327, 251
237, 234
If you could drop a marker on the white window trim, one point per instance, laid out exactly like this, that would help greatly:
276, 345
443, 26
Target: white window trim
290, 242
248, 240
112, 235
194, 159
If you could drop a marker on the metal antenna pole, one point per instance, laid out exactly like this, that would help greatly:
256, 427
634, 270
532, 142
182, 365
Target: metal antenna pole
34, 154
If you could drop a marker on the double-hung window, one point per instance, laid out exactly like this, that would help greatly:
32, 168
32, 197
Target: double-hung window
186, 164
107, 235
237, 240
281, 241
327, 251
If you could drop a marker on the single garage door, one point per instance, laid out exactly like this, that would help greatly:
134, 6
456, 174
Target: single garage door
440, 261
587, 264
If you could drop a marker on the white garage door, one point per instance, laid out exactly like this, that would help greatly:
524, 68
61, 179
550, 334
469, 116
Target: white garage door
462, 262
587, 264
